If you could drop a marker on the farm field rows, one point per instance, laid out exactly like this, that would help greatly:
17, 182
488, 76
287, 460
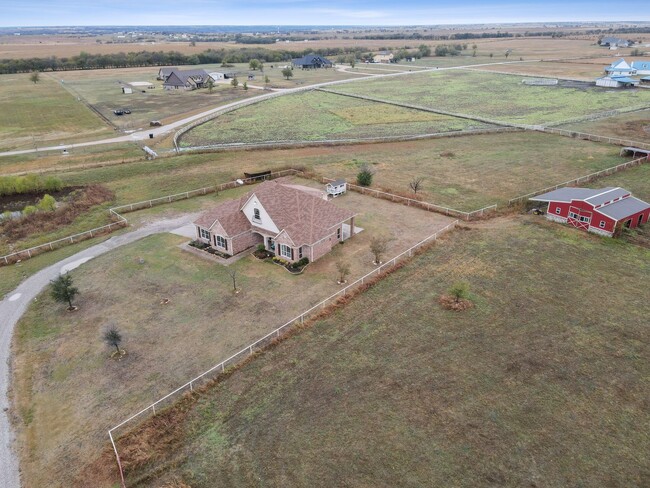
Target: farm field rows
43, 114
634, 126
314, 116
523, 375
65, 413
497, 96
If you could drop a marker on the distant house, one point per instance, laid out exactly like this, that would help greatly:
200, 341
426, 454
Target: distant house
617, 82
221, 75
614, 42
603, 211
620, 68
311, 61
383, 57
292, 221
641, 67
163, 73
186, 79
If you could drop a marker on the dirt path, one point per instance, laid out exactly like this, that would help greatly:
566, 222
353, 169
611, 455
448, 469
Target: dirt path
15, 304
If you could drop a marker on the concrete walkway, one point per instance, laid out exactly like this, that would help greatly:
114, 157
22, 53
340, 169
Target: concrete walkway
15, 304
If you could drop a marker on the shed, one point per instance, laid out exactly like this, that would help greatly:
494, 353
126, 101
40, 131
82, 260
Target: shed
336, 188
617, 82
603, 211
127, 90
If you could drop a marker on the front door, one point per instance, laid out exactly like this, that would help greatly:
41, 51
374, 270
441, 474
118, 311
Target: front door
270, 244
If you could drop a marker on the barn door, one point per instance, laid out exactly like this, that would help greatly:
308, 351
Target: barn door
579, 218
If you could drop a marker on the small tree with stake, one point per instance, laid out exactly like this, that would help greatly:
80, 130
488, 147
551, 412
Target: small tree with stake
113, 338
63, 290
378, 246
233, 277
459, 291
343, 269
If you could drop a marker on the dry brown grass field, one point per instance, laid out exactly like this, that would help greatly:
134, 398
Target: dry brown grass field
67, 390
524, 389
634, 126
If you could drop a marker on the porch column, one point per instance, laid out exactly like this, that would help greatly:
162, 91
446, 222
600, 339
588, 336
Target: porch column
351, 226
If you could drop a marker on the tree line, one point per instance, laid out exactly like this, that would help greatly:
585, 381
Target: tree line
159, 58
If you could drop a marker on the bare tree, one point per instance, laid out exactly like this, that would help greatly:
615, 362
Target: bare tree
416, 184
378, 246
343, 269
233, 277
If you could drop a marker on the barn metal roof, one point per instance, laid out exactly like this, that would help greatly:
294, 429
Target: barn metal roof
569, 194
624, 208
607, 196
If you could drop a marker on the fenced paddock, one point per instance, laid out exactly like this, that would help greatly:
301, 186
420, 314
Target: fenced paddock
236, 359
582, 179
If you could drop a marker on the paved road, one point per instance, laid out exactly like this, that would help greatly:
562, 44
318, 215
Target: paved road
16, 302
142, 135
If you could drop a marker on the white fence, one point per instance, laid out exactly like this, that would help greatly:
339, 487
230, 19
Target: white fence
268, 339
594, 137
582, 179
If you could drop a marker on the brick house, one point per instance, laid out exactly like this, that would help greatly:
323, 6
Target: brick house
603, 211
292, 221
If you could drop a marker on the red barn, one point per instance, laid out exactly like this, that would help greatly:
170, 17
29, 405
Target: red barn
602, 211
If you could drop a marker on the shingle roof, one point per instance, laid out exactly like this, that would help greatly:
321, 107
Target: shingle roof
624, 208
311, 59
302, 215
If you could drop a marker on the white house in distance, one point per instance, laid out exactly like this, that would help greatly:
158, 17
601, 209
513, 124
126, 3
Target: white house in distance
620, 68
642, 67
383, 57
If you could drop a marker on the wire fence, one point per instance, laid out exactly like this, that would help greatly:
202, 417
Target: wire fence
582, 179
267, 340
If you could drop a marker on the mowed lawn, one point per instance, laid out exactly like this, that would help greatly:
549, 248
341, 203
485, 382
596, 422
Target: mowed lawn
497, 96
67, 392
43, 114
543, 383
633, 126
316, 116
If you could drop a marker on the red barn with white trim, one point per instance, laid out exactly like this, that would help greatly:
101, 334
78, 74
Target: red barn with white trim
603, 211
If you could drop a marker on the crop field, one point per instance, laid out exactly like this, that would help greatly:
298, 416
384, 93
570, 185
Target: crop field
586, 70
523, 389
43, 114
314, 116
496, 96
65, 384
634, 126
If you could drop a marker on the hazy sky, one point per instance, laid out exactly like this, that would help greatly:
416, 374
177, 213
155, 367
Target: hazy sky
310, 12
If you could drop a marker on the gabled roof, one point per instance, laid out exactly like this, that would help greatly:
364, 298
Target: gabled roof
311, 59
607, 195
174, 79
179, 77
623, 79
624, 208
568, 194
643, 65
337, 182
302, 215
167, 71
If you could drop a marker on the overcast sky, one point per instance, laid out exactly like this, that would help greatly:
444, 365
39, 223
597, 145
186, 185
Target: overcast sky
310, 12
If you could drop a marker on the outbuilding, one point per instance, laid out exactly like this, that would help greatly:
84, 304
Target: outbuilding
336, 188
603, 211
617, 82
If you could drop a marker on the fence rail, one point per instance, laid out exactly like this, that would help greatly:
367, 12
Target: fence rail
269, 338
582, 179
596, 138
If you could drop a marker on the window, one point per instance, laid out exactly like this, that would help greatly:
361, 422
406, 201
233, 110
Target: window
256, 215
338, 233
221, 241
602, 224
558, 210
300, 252
286, 251
584, 218
204, 234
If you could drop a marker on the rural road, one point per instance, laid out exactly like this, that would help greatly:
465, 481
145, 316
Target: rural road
15, 303
142, 135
